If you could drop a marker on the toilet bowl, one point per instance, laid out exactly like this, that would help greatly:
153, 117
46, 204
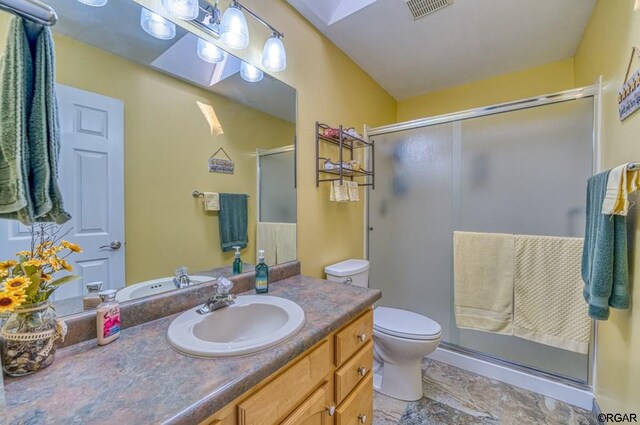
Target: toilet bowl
400, 338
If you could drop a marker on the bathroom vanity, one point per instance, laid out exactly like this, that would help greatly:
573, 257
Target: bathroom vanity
322, 375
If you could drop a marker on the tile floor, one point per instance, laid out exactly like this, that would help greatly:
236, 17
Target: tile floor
453, 396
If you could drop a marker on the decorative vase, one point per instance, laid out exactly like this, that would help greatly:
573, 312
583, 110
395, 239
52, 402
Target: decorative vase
29, 336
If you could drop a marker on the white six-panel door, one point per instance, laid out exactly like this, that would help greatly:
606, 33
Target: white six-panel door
92, 184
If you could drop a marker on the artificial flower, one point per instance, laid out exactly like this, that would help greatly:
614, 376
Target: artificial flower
46, 277
6, 265
16, 284
66, 265
55, 263
3, 273
71, 246
9, 301
34, 263
27, 254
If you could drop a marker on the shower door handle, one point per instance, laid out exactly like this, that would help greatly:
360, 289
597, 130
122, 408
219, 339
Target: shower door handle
371, 229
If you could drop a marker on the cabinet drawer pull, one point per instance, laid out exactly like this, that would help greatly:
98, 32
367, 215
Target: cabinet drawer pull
362, 371
331, 410
362, 419
362, 337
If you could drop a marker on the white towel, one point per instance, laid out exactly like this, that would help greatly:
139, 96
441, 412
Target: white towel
354, 195
211, 201
620, 184
339, 192
286, 243
549, 307
483, 281
267, 239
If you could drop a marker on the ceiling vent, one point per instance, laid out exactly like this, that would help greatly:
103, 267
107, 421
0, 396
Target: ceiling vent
421, 8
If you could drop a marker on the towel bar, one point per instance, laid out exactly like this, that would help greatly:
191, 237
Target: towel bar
197, 193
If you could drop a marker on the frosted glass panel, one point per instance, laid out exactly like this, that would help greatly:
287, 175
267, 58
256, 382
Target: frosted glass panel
410, 213
525, 172
277, 189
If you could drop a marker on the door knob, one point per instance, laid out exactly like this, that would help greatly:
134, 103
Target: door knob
113, 245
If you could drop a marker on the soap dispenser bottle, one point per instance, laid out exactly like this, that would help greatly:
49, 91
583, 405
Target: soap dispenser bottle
92, 298
237, 263
262, 274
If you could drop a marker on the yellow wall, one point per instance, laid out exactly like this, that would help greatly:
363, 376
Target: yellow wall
333, 89
168, 141
604, 50
548, 78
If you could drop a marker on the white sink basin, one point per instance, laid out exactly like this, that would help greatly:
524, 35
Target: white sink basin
153, 287
253, 323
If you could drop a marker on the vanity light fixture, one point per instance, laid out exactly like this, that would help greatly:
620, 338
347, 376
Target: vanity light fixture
183, 9
94, 3
208, 51
274, 56
234, 31
156, 25
250, 73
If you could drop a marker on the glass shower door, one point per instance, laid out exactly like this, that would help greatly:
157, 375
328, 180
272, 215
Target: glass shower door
520, 172
410, 219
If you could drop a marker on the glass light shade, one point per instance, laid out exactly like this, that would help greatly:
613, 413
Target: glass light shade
183, 9
274, 57
156, 25
250, 73
209, 52
94, 3
234, 31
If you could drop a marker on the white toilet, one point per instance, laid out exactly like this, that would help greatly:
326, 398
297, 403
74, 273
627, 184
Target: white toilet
401, 338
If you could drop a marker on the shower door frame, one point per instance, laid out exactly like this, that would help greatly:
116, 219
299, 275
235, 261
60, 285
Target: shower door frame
593, 91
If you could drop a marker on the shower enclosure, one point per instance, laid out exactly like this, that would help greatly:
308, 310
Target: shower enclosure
516, 168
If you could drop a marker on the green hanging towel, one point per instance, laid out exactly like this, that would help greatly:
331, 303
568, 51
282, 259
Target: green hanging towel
30, 133
233, 219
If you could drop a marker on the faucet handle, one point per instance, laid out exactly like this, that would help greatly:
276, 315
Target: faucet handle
224, 285
182, 271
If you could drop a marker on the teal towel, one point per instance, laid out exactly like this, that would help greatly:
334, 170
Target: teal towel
15, 95
30, 133
605, 268
233, 219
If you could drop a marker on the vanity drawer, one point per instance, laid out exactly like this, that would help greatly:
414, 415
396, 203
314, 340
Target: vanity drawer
357, 409
314, 410
353, 371
353, 337
278, 398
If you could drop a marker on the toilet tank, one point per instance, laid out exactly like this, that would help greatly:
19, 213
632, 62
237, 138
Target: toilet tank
355, 272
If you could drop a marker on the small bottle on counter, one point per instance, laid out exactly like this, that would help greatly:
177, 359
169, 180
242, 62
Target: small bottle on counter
237, 262
108, 317
262, 274
92, 298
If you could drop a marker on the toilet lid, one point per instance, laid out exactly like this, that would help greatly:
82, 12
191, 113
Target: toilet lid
405, 324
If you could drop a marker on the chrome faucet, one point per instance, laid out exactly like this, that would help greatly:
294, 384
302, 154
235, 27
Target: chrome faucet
221, 299
182, 278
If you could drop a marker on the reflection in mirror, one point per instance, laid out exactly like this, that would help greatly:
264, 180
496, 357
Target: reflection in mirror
144, 106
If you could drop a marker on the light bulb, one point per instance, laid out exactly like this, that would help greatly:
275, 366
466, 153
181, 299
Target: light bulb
274, 57
183, 9
156, 25
94, 3
209, 52
233, 28
250, 73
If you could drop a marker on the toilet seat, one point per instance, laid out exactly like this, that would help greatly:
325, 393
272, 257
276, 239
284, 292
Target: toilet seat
405, 324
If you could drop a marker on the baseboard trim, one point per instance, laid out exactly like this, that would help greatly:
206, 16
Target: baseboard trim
550, 388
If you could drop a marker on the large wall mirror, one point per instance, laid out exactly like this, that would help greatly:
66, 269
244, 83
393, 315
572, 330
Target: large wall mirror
143, 109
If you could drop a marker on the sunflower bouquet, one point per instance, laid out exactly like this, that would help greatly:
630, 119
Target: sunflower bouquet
29, 278
26, 283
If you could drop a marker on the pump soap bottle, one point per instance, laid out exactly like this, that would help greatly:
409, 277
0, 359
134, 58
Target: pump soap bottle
237, 263
108, 317
92, 298
262, 274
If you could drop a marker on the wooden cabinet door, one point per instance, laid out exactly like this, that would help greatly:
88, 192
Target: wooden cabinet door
314, 410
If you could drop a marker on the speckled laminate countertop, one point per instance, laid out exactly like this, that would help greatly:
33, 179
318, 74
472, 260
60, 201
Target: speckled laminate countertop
140, 379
